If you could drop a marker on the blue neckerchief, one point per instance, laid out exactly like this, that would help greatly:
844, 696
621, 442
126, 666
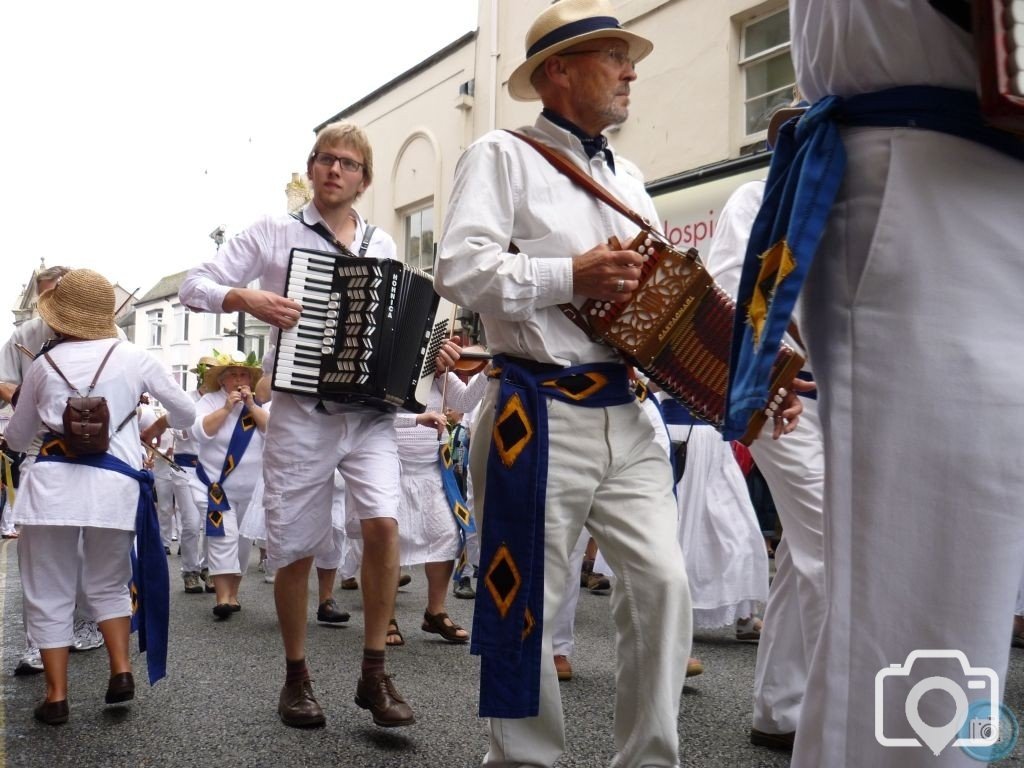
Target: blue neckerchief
457, 504
509, 612
151, 585
216, 500
592, 145
807, 168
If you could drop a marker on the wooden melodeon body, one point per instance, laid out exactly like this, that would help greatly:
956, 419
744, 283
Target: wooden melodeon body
677, 328
999, 39
369, 332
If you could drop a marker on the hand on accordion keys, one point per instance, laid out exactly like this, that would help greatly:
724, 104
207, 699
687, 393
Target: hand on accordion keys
606, 273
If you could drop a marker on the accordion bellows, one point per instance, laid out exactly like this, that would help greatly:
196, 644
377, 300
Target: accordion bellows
677, 328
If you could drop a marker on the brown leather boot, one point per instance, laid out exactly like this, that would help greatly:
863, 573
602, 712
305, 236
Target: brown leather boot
378, 694
298, 707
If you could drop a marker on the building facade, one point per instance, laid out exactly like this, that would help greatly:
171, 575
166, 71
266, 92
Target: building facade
698, 114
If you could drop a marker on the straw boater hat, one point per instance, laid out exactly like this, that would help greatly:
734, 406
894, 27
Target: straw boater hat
80, 305
562, 26
213, 366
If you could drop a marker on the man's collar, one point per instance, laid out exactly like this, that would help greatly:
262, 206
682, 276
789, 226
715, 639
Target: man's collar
592, 145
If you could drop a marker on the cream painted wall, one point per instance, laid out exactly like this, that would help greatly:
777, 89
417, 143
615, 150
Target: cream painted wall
686, 109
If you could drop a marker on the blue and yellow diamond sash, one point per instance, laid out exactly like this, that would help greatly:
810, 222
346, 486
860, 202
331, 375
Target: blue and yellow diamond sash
457, 504
216, 500
807, 168
151, 585
509, 612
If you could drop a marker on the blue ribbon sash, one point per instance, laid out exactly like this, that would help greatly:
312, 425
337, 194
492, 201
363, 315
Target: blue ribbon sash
807, 167
216, 500
150, 586
509, 612
457, 504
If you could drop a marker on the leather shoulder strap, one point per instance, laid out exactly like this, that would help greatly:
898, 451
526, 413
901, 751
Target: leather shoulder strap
565, 166
95, 378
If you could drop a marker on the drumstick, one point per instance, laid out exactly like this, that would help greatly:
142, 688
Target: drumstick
154, 452
25, 351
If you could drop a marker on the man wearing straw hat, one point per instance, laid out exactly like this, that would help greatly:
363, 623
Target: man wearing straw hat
604, 470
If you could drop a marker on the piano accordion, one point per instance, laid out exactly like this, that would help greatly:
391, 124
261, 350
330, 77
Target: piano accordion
369, 332
999, 39
677, 328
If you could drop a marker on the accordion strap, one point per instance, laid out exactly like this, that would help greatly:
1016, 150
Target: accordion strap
326, 234
562, 163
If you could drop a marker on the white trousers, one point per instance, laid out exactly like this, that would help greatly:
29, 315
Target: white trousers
794, 468
164, 486
607, 474
301, 452
51, 566
563, 629
192, 520
912, 311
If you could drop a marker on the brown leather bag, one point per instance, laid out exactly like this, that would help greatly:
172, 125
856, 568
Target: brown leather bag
86, 419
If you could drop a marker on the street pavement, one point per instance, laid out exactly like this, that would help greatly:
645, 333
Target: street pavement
217, 705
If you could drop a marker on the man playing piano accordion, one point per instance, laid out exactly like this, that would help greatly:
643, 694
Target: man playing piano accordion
308, 438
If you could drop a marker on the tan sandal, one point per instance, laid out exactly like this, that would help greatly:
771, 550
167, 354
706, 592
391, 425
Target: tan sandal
442, 624
394, 632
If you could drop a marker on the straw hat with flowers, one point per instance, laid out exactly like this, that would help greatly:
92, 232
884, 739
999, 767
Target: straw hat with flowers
213, 366
81, 305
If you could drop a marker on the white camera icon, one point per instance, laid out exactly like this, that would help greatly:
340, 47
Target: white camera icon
980, 680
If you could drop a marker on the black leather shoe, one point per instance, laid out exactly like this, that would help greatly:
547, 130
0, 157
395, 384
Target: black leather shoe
298, 707
378, 694
223, 611
52, 712
780, 741
120, 688
328, 613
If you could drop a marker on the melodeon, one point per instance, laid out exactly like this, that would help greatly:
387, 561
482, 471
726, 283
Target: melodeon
369, 332
677, 328
999, 39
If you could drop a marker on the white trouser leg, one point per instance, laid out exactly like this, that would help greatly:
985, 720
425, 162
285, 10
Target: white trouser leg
191, 521
563, 631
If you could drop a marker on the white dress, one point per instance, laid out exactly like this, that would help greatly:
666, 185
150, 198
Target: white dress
721, 541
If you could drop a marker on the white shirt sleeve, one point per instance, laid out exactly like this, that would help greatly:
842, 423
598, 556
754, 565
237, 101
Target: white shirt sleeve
474, 266
237, 263
724, 260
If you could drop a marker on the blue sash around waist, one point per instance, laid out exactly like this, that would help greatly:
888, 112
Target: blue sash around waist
807, 168
151, 586
508, 618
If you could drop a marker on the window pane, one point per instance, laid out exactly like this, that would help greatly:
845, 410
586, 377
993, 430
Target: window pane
766, 33
427, 240
771, 75
759, 110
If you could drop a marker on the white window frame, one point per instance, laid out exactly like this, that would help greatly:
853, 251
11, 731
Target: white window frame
181, 314
155, 321
180, 374
407, 228
746, 62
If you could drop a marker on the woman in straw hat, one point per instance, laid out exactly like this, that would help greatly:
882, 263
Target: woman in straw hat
229, 430
97, 498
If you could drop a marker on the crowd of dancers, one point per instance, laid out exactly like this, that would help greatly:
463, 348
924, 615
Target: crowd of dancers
893, 460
